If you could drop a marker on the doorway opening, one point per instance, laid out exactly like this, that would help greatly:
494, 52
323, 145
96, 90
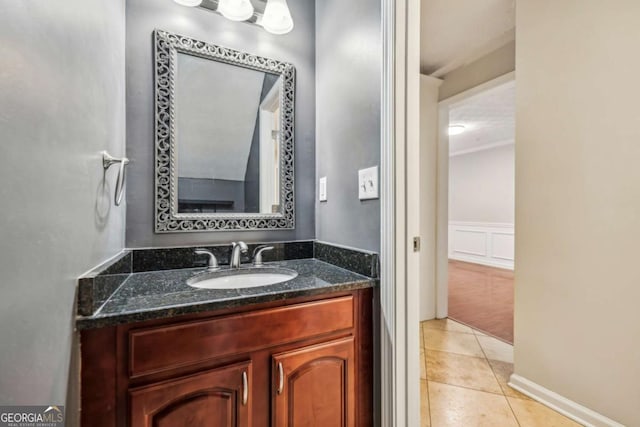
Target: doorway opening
481, 204
481, 200
480, 194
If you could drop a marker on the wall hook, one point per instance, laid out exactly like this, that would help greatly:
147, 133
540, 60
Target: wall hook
107, 161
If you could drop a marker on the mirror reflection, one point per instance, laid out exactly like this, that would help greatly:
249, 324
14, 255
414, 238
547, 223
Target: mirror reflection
228, 137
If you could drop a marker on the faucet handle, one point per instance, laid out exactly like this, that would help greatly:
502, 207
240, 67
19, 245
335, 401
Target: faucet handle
257, 254
213, 261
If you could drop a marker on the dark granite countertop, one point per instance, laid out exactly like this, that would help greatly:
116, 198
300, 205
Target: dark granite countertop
163, 294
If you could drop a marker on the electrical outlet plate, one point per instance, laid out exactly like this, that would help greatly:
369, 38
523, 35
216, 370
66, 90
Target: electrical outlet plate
322, 189
368, 183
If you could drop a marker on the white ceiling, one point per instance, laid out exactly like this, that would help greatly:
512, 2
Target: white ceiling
455, 32
488, 118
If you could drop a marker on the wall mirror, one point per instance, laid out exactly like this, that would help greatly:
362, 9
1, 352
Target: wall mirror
224, 138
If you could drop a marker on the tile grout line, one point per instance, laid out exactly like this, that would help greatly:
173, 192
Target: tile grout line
511, 407
498, 381
446, 331
453, 352
483, 358
457, 354
467, 388
455, 332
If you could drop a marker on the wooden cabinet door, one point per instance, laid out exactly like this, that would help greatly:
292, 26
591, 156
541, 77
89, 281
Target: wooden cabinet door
315, 386
215, 398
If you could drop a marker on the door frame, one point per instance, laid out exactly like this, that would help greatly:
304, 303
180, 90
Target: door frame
400, 216
442, 218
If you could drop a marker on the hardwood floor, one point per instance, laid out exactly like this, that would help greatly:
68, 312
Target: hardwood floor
482, 297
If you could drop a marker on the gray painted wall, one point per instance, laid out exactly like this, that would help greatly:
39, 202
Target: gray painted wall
252, 172
297, 47
348, 76
62, 91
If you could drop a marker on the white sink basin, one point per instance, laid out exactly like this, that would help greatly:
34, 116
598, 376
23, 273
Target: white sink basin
241, 278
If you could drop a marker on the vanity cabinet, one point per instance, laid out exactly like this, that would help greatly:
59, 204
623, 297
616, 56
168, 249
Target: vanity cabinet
219, 397
306, 361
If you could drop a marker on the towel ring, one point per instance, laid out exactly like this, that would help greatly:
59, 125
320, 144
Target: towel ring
107, 161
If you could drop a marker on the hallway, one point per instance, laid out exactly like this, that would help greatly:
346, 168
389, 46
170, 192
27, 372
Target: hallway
463, 381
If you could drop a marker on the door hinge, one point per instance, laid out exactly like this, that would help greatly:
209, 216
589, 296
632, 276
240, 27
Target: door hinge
416, 244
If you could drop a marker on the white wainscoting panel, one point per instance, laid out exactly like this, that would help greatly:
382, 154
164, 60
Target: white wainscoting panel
470, 242
483, 243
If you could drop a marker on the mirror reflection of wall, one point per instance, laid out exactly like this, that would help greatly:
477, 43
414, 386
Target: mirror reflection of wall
227, 136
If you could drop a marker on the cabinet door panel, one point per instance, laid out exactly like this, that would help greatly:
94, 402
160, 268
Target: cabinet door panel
214, 408
315, 386
212, 398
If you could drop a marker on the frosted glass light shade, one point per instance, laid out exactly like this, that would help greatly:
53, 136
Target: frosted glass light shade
277, 17
190, 3
236, 10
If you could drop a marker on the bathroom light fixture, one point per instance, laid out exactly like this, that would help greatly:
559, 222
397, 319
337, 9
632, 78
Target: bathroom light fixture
236, 10
190, 3
456, 129
277, 17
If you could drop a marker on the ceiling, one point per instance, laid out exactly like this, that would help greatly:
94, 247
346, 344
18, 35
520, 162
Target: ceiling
456, 32
488, 118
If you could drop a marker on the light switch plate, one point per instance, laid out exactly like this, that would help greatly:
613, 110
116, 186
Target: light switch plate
368, 183
322, 189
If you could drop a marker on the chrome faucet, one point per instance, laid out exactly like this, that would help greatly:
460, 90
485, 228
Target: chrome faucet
236, 249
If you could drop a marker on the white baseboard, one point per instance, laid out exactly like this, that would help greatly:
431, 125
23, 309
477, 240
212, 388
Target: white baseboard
569, 408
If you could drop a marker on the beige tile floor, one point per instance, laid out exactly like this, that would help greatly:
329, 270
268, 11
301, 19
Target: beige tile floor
463, 381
